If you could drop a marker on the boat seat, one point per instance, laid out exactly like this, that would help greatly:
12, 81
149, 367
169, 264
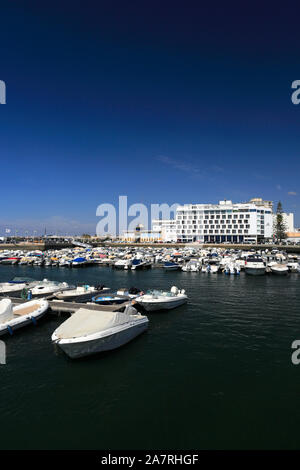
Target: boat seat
26, 310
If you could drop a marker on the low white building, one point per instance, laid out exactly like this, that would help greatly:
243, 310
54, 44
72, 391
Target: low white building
140, 234
167, 229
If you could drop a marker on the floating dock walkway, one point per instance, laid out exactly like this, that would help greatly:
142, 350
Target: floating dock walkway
58, 307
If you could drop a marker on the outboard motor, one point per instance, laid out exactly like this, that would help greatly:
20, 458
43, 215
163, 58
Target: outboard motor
134, 290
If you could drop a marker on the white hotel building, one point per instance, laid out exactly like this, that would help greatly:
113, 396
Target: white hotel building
242, 222
217, 223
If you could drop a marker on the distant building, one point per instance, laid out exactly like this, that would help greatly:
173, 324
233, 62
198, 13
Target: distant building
258, 201
225, 222
293, 236
139, 234
167, 229
218, 223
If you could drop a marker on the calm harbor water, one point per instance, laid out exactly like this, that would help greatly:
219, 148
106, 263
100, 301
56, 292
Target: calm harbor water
213, 374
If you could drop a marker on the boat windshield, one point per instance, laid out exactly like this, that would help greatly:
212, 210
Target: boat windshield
160, 293
17, 280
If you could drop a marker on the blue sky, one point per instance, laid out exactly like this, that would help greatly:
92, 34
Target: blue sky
163, 103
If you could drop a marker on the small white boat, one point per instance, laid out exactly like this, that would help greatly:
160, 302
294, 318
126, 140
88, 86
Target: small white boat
15, 286
280, 269
123, 264
171, 266
140, 264
65, 262
80, 293
294, 267
214, 268
161, 300
254, 265
13, 318
47, 287
186, 268
10, 260
205, 268
89, 332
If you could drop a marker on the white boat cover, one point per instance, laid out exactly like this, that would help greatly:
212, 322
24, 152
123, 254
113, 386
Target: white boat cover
6, 310
86, 322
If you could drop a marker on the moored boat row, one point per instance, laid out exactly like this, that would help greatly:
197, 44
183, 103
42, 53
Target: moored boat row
90, 331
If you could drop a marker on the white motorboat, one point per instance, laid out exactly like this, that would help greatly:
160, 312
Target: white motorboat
232, 268
140, 264
214, 268
64, 262
171, 266
79, 262
123, 264
205, 268
80, 293
13, 318
194, 266
254, 265
186, 268
162, 300
16, 285
294, 267
89, 332
47, 287
10, 260
280, 269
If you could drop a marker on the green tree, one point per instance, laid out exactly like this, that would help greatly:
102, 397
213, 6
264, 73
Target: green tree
279, 227
85, 235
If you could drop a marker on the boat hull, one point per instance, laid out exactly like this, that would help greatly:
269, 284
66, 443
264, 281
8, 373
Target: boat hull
17, 323
279, 272
112, 341
163, 305
255, 271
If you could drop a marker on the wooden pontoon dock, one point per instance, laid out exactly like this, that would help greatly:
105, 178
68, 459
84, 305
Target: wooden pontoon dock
59, 307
